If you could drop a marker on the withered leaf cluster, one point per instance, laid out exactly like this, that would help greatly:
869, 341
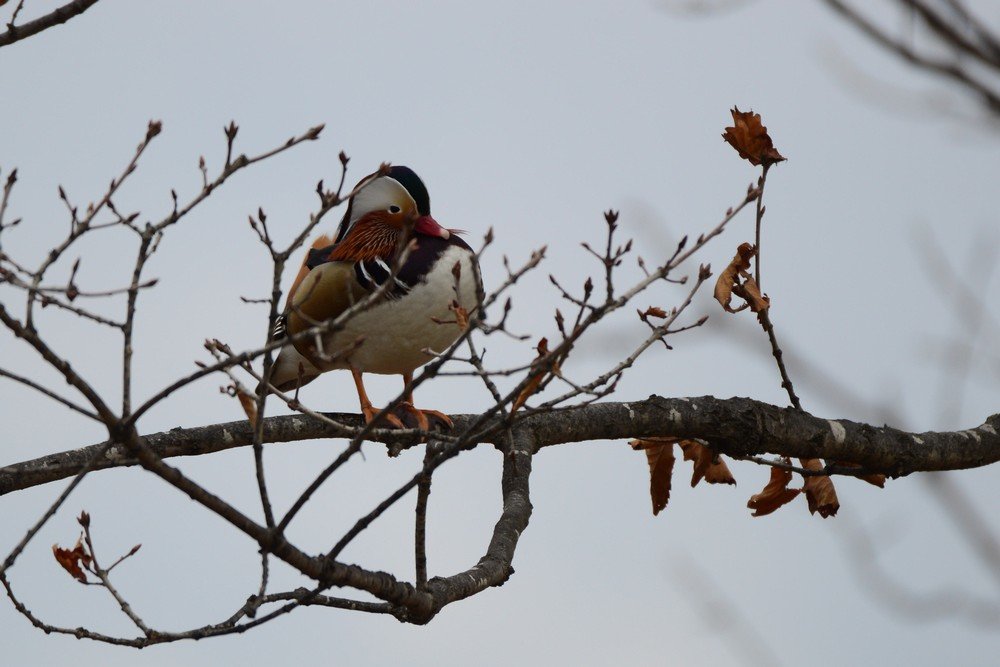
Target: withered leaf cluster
660, 456
750, 139
80, 559
775, 494
652, 311
73, 560
820, 493
708, 465
76, 559
736, 279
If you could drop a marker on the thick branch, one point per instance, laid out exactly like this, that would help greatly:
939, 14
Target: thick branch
52, 19
736, 426
494, 568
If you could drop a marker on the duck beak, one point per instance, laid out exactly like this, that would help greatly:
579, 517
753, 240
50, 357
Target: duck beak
428, 226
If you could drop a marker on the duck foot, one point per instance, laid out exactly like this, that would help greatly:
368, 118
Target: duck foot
425, 420
405, 416
389, 420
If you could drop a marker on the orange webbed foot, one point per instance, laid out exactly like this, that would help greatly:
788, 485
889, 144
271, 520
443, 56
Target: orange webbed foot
390, 420
425, 420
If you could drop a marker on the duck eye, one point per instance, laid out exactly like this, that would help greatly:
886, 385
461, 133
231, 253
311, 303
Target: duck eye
394, 209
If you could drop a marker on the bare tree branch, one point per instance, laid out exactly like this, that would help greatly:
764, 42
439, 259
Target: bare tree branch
950, 36
742, 428
61, 15
736, 426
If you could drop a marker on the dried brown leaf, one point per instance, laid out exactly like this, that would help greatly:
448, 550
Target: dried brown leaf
536, 375
820, 494
660, 456
707, 464
750, 292
730, 277
750, 139
73, 560
654, 311
774, 495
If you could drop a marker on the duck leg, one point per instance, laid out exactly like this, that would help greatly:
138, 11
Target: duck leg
370, 412
424, 419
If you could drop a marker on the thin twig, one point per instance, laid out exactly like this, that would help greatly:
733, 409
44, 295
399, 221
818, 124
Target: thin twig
102, 575
48, 392
760, 217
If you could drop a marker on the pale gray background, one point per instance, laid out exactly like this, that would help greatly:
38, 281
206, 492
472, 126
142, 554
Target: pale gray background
531, 117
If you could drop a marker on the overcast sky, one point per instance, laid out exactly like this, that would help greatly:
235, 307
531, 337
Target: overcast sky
532, 118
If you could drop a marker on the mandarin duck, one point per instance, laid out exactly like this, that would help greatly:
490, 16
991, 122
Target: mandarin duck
418, 314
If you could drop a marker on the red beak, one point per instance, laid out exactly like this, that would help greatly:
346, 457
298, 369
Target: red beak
428, 226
